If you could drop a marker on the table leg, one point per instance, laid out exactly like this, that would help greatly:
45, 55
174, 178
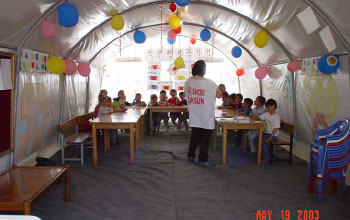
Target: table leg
213, 134
150, 121
106, 140
244, 139
260, 144
142, 132
131, 144
94, 144
224, 145
138, 134
27, 209
67, 184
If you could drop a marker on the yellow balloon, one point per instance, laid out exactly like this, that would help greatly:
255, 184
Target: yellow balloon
179, 62
56, 65
261, 39
117, 22
174, 22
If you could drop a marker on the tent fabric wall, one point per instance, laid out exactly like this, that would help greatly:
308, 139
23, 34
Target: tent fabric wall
75, 96
249, 85
37, 113
95, 82
321, 99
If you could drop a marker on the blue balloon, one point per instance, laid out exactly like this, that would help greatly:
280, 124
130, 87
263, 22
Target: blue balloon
182, 2
328, 63
68, 15
236, 51
171, 41
205, 34
139, 37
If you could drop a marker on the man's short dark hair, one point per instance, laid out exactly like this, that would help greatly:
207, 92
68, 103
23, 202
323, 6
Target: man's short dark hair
271, 102
239, 95
225, 94
261, 99
199, 68
163, 91
248, 101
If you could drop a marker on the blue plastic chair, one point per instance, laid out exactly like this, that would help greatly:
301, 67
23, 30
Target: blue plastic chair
329, 157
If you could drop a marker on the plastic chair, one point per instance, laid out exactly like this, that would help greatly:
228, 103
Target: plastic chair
329, 157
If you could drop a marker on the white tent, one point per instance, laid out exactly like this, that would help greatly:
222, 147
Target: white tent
301, 30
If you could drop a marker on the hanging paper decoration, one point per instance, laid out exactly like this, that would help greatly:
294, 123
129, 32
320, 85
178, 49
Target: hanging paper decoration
205, 34
139, 37
179, 62
165, 85
193, 40
294, 65
177, 30
174, 22
261, 39
328, 63
117, 22
33, 61
84, 69
236, 51
48, 28
182, 2
171, 41
171, 34
153, 75
261, 72
240, 72
56, 65
172, 7
68, 15
71, 67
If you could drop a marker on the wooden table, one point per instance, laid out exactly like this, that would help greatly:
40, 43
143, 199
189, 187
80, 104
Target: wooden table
116, 121
164, 109
139, 110
231, 125
20, 186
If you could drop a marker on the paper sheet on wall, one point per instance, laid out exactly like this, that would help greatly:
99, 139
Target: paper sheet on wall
5, 74
327, 38
309, 20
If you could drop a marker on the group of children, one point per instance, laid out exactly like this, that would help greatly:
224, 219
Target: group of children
234, 101
157, 117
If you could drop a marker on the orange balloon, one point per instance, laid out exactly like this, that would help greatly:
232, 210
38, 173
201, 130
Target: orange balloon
240, 72
177, 30
193, 40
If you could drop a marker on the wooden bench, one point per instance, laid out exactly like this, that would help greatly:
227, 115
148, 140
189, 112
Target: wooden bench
77, 139
289, 130
20, 186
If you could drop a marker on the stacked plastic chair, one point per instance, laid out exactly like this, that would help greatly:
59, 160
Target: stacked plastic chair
329, 157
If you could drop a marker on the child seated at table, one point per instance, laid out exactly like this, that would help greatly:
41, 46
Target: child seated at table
232, 98
238, 101
110, 105
163, 101
174, 101
104, 109
246, 107
258, 110
271, 128
225, 101
137, 101
153, 102
120, 101
184, 115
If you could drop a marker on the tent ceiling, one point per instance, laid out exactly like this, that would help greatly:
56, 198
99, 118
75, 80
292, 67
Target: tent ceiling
233, 21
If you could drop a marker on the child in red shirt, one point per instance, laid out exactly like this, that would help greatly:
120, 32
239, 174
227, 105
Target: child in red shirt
174, 101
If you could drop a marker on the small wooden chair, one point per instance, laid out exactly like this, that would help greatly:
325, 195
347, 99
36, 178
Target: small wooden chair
289, 129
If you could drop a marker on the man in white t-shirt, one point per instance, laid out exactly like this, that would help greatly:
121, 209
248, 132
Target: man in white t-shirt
272, 124
201, 94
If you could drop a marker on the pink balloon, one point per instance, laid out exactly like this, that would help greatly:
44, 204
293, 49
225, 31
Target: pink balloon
294, 65
48, 28
171, 34
261, 72
84, 69
71, 67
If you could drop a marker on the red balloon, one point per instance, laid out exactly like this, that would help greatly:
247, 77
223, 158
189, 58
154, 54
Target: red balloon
294, 65
171, 34
240, 72
172, 7
193, 40
177, 30
48, 28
